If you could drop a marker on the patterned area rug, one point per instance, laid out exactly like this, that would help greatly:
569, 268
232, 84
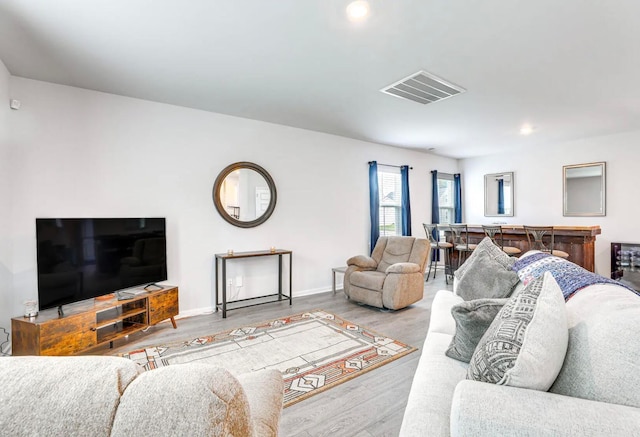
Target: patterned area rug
314, 351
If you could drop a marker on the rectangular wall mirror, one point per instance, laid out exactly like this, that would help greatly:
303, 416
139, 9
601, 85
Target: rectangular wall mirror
584, 189
498, 194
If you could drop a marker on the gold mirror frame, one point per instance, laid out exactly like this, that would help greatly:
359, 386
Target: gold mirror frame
220, 207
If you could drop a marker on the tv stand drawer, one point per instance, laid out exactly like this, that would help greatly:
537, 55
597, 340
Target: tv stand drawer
68, 336
163, 305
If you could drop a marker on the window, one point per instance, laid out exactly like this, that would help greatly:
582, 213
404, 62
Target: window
445, 198
390, 191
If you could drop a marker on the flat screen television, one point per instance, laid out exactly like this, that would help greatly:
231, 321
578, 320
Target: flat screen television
83, 258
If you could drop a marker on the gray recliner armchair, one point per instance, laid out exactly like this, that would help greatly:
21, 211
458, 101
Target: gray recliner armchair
392, 277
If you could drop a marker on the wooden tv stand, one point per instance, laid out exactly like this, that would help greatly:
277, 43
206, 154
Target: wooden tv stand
91, 323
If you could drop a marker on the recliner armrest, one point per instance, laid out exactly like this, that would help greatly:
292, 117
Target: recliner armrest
403, 268
480, 408
362, 261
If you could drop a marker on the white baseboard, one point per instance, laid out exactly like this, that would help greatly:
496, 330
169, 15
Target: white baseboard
311, 292
195, 312
210, 310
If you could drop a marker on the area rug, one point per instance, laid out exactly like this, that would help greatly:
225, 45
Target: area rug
314, 351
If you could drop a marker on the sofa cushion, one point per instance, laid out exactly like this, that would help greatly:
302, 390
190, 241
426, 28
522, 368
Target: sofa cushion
603, 357
187, 399
472, 318
486, 277
61, 396
490, 410
370, 280
526, 344
429, 403
441, 320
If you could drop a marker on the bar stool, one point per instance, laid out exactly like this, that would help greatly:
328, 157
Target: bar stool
460, 233
436, 245
535, 235
495, 233
445, 230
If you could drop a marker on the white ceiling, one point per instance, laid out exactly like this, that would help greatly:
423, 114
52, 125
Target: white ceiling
568, 67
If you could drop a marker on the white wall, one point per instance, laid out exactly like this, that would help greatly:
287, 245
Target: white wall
7, 305
538, 187
84, 153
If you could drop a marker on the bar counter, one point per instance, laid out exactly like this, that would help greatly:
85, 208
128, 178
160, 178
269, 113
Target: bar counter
578, 241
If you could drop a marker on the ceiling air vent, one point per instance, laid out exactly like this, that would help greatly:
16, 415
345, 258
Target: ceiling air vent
423, 87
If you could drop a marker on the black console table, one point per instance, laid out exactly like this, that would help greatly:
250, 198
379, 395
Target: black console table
224, 305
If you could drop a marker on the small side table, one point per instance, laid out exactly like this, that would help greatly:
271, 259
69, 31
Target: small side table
334, 271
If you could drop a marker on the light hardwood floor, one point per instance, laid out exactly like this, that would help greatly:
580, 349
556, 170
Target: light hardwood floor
369, 405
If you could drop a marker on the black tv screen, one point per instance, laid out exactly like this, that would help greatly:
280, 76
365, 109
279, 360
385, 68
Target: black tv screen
82, 258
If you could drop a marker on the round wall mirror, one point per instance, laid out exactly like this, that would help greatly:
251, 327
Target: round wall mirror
244, 194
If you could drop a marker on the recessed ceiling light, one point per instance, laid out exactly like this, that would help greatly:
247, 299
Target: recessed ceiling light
526, 129
358, 10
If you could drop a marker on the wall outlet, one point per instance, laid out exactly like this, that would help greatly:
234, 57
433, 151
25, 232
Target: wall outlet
229, 282
238, 281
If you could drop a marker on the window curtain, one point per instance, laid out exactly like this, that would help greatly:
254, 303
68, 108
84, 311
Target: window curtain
435, 209
406, 204
435, 203
500, 196
457, 198
374, 204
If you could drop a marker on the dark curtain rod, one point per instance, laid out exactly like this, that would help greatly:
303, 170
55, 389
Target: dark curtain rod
390, 165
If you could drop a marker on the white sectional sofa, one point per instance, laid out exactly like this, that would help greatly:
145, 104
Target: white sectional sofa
596, 393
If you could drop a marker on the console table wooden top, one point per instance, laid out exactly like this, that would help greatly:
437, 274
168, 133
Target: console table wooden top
252, 254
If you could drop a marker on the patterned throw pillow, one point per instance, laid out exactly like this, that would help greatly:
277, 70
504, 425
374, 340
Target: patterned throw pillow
472, 318
526, 344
